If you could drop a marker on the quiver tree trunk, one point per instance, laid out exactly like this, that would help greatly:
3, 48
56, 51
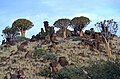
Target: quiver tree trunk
107, 45
8, 40
65, 33
109, 51
23, 33
81, 33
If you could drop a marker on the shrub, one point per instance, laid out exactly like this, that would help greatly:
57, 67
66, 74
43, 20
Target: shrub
45, 72
96, 70
71, 72
18, 39
38, 53
50, 56
44, 34
104, 70
101, 69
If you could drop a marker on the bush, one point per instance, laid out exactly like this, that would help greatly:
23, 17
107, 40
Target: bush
45, 72
71, 72
97, 70
38, 53
104, 70
18, 39
44, 34
49, 56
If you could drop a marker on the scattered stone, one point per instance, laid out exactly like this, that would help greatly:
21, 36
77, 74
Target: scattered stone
53, 45
72, 64
63, 62
53, 66
20, 73
3, 64
4, 59
28, 55
25, 42
33, 39
21, 48
58, 51
11, 76
14, 53
14, 61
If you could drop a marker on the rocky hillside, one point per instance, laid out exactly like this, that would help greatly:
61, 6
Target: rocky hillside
23, 61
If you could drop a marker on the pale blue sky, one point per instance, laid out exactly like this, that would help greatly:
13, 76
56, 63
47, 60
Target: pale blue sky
39, 10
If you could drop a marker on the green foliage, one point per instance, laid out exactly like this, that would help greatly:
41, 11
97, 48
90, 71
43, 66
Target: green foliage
96, 70
38, 53
71, 72
18, 39
104, 70
9, 32
6, 30
22, 24
45, 72
80, 22
44, 34
62, 23
50, 56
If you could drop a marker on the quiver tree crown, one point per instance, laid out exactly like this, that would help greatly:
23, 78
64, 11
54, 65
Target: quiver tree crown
22, 25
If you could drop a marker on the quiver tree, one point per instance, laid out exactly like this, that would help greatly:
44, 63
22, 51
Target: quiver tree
22, 25
63, 24
80, 23
108, 29
9, 33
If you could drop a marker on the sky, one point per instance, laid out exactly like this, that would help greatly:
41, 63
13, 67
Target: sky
38, 11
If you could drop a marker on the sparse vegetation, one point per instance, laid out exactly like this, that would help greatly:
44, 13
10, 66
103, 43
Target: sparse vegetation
43, 53
104, 70
45, 72
71, 72
46, 55
96, 70
38, 53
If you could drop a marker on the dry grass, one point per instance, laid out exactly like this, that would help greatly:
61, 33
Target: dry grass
75, 53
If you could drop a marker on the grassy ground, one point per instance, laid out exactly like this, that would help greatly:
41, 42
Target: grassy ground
75, 52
